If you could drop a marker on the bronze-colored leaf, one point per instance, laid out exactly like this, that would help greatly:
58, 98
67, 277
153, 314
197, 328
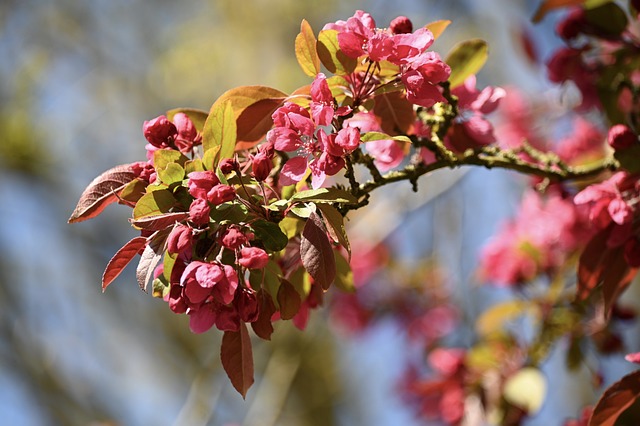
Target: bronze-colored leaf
237, 358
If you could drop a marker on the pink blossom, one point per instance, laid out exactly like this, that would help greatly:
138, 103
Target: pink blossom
584, 144
261, 165
187, 136
253, 258
543, 235
387, 153
344, 142
202, 319
471, 129
201, 280
606, 201
401, 25
421, 77
321, 101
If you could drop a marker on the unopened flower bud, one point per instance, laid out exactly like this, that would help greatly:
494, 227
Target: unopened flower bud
158, 131
253, 258
401, 25
261, 166
227, 165
621, 137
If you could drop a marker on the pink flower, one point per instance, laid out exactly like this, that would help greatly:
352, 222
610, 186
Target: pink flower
344, 142
584, 144
471, 129
421, 77
321, 101
606, 200
261, 166
253, 258
203, 280
187, 136
387, 153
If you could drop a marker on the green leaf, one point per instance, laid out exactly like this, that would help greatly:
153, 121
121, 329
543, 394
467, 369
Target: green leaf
220, 130
171, 174
154, 203
325, 195
526, 389
377, 136
163, 157
270, 234
331, 56
608, 18
252, 108
197, 116
237, 358
194, 165
134, 190
465, 59
615, 400
209, 158
344, 274
306, 52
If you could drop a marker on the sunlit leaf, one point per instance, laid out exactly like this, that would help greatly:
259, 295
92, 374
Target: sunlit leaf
134, 190
101, 192
331, 56
377, 136
121, 259
465, 59
615, 400
344, 274
526, 389
220, 130
252, 108
172, 173
237, 358
325, 195
438, 27
316, 252
306, 52
163, 157
148, 261
154, 203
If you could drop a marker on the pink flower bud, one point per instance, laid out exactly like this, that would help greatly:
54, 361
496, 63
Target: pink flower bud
221, 194
401, 25
227, 165
200, 183
199, 211
159, 131
621, 137
261, 166
179, 240
253, 258
233, 238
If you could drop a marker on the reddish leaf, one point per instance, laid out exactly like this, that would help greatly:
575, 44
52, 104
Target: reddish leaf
591, 264
121, 259
316, 252
395, 112
262, 326
101, 192
289, 300
335, 225
237, 358
156, 223
616, 399
548, 5
616, 277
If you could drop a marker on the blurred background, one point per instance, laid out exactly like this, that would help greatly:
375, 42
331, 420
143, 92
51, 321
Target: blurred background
77, 80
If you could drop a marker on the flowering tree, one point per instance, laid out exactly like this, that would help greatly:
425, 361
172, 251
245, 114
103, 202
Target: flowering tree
241, 209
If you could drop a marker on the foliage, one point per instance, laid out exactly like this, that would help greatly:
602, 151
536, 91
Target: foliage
241, 209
